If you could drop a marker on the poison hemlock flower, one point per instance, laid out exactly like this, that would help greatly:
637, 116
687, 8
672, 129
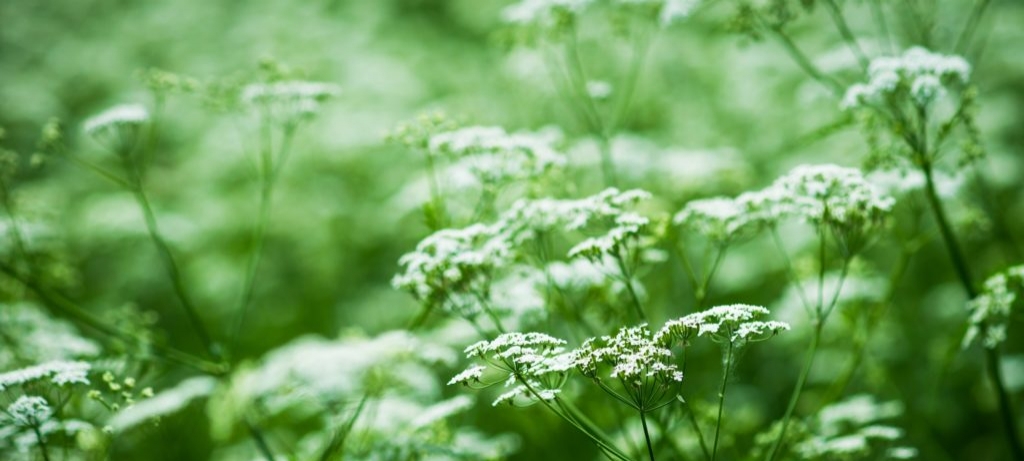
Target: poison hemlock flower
60, 373
117, 128
532, 365
721, 220
990, 311
918, 75
835, 198
452, 267
115, 118
644, 367
288, 102
29, 411
852, 428
495, 156
726, 324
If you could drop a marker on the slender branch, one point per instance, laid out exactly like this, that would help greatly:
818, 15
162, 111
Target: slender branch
42, 442
171, 266
805, 63
259, 439
268, 180
721, 399
973, 19
800, 381
836, 13
647, 435
59, 303
696, 428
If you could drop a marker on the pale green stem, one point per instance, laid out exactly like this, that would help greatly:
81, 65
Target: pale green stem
647, 435
721, 399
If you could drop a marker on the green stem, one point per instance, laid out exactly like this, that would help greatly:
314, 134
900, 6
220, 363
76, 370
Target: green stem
805, 63
42, 442
259, 439
964, 40
1005, 405
948, 237
836, 13
59, 303
647, 435
991, 355
171, 266
800, 381
696, 428
721, 399
270, 171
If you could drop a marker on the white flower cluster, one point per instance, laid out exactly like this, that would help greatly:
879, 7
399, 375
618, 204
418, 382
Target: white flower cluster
58, 372
29, 411
111, 121
633, 356
526, 218
451, 263
839, 198
918, 74
290, 101
721, 219
536, 365
495, 156
850, 429
548, 14
990, 311
163, 404
835, 196
730, 323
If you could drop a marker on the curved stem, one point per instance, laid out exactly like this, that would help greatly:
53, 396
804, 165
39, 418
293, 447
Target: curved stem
836, 13
991, 355
259, 439
696, 427
270, 171
59, 303
42, 442
173, 271
647, 435
800, 381
721, 399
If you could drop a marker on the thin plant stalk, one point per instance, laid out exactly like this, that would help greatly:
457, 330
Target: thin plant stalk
696, 428
721, 399
647, 434
795, 396
269, 173
991, 354
42, 442
167, 257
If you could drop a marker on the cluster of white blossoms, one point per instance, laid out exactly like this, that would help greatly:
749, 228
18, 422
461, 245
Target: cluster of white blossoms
451, 263
632, 356
60, 373
728, 324
722, 220
990, 311
534, 365
834, 196
919, 74
289, 101
548, 14
851, 429
495, 156
839, 198
29, 411
118, 123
